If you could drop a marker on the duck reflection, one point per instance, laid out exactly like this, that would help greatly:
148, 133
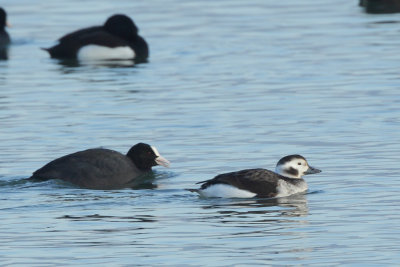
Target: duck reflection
146, 181
291, 206
74, 63
98, 217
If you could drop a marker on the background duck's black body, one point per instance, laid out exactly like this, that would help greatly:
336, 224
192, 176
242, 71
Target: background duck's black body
262, 182
119, 32
5, 39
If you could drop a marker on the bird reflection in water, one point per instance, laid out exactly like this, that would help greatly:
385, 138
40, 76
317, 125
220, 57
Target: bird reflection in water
291, 206
74, 63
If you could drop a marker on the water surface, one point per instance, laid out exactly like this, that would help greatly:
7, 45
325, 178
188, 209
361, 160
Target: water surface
229, 85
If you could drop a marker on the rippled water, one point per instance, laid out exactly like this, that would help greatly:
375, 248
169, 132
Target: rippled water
229, 85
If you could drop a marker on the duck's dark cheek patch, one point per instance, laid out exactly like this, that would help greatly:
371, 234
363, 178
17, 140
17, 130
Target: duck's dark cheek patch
293, 171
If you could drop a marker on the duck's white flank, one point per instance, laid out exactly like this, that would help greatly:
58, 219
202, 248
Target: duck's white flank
97, 52
225, 191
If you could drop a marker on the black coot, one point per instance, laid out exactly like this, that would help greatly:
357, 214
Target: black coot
100, 168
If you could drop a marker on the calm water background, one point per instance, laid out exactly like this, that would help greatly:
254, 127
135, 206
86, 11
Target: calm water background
229, 85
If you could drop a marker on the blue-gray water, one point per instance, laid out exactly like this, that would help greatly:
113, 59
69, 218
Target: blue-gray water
229, 85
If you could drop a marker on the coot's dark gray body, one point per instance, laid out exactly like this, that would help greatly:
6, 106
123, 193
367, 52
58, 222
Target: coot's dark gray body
92, 168
101, 168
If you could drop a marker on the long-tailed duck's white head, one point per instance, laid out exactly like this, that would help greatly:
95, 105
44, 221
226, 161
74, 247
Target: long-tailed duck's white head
294, 166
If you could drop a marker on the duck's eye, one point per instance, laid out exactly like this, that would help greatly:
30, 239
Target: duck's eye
299, 163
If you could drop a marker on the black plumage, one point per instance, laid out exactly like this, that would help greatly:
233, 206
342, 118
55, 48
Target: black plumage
286, 180
5, 39
118, 31
262, 182
4, 36
101, 168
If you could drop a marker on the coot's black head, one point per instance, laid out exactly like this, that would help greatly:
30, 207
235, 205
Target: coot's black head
121, 26
145, 156
3, 18
294, 166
